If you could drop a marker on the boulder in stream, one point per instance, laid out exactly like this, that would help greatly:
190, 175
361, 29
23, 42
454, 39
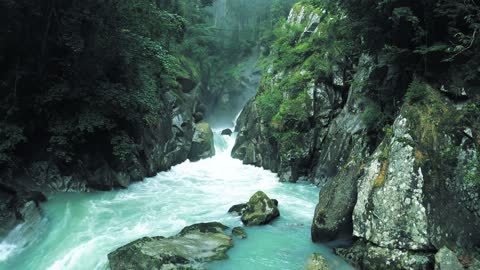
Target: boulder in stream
259, 210
195, 244
202, 143
227, 132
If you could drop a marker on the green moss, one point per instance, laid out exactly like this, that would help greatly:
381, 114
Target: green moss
382, 175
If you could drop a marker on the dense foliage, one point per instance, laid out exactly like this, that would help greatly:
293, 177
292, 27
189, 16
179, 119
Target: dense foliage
82, 78
434, 39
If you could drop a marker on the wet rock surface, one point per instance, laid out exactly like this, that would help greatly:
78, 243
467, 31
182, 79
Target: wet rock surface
202, 142
195, 244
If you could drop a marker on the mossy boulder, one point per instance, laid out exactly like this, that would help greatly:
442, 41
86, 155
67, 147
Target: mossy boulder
202, 143
260, 210
195, 244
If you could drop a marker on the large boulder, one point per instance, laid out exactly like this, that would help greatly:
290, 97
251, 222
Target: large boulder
227, 132
195, 244
202, 143
259, 210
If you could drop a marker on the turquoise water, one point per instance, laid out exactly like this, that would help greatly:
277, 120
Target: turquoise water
78, 230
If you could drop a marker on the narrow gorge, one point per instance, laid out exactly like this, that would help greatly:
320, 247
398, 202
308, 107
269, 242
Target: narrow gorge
236, 134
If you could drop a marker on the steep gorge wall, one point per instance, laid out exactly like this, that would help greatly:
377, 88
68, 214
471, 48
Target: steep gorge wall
403, 190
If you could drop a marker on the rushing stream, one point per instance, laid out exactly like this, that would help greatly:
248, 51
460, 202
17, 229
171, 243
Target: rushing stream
79, 229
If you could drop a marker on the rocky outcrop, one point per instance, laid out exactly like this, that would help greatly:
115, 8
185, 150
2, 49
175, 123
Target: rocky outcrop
202, 142
408, 205
252, 145
195, 244
322, 145
259, 210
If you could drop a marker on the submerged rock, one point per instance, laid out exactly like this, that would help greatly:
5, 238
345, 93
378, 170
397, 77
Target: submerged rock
316, 262
202, 143
259, 210
445, 259
198, 243
227, 132
239, 232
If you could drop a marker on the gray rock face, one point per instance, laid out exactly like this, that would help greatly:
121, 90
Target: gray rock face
445, 259
18, 208
202, 143
390, 211
252, 146
259, 210
195, 244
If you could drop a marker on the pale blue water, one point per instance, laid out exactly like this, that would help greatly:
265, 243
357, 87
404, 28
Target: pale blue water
78, 230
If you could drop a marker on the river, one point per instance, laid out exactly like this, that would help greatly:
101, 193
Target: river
78, 230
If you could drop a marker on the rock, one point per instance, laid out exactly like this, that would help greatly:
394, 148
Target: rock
195, 244
261, 210
238, 209
475, 265
445, 259
198, 117
389, 210
239, 232
366, 256
316, 262
252, 145
211, 227
333, 214
202, 143
17, 208
227, 132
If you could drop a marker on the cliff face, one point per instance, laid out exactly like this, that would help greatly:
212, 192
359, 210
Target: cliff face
91, 99
399, 169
